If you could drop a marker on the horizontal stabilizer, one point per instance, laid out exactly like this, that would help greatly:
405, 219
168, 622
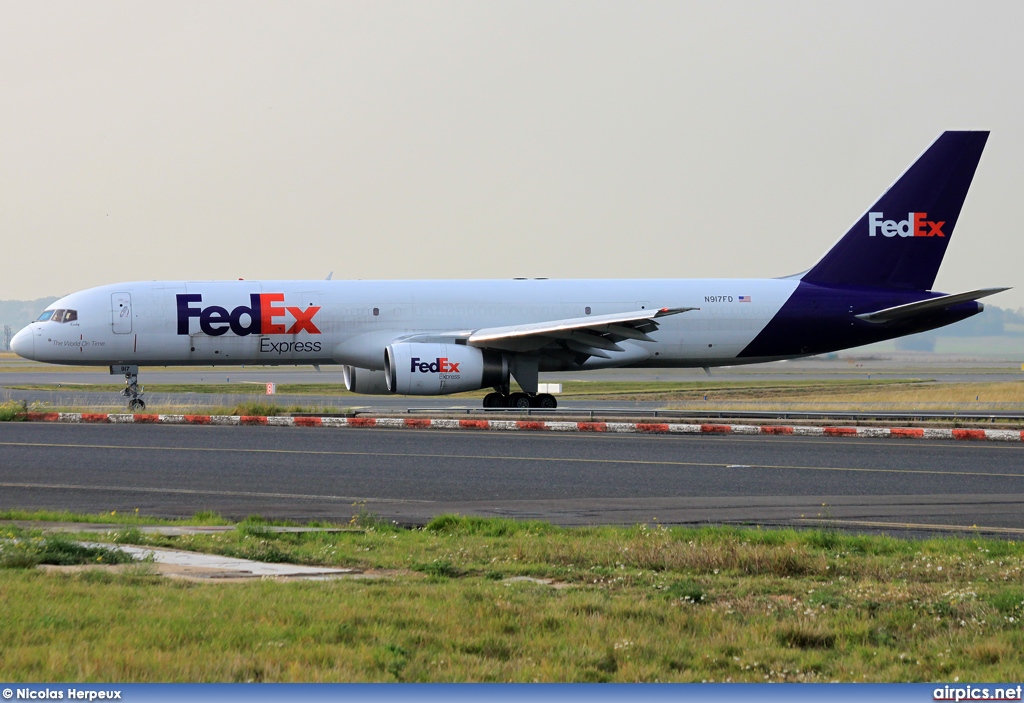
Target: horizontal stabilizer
901, 312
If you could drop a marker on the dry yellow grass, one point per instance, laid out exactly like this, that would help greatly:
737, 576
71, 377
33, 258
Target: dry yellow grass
1007, 396
1012, 392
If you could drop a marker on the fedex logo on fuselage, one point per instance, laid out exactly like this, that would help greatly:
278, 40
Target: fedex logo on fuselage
914, 226
440, 365
260, 316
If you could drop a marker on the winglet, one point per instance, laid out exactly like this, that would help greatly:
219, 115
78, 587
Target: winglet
672, 311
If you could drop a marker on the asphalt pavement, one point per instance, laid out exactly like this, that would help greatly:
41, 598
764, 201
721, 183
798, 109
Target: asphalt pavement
572, 479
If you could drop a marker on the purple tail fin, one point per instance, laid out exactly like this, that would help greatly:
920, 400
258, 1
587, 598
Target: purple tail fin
899, 242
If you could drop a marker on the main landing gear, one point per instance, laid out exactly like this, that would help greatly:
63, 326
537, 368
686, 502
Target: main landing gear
520, 400
132, 391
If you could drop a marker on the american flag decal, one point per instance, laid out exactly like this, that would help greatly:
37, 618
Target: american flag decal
744, 298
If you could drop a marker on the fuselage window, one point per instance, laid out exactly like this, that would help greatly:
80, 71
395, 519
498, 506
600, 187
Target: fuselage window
46, 315
58, 315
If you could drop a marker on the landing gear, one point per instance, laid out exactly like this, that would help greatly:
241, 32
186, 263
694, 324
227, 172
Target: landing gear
519, 400
494, 400
545, 401
132, 392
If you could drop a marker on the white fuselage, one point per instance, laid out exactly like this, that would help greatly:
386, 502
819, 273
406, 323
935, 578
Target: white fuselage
350, 322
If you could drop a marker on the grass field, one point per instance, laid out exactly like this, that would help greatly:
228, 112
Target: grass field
606, 604
807, 391
715, 395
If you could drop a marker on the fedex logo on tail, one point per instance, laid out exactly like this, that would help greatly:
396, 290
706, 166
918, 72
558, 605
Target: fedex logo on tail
441, 365
916, 225
261, 316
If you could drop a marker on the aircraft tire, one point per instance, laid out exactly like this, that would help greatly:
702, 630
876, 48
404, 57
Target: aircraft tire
545, 401
135, 405
519, 400
494, 400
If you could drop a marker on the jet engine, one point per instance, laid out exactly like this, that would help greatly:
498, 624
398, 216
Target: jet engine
364, 381
416, 368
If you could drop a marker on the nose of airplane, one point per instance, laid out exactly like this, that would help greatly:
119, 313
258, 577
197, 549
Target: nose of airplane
23, 343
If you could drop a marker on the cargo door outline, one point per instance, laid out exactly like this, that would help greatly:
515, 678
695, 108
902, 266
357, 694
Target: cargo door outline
121, 313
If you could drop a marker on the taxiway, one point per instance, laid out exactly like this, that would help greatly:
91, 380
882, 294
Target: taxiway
572, 479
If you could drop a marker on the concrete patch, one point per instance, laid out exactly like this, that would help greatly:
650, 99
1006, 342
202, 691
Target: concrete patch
194, 565
531, 579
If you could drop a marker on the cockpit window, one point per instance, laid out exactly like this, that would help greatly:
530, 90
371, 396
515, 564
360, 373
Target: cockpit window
58, 316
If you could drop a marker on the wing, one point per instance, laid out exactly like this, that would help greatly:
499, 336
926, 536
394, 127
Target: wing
594, 335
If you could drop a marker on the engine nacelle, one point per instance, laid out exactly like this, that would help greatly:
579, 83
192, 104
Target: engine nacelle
414, 368
365, 381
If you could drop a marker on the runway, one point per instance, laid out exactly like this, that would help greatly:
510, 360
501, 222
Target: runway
572, 479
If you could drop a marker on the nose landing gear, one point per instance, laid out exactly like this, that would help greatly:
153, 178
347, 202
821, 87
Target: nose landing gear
132, 391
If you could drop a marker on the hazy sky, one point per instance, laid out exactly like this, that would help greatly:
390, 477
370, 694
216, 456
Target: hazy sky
150, 140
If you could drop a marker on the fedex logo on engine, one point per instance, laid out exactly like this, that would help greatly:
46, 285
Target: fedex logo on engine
441, 365
260, 316
914, 226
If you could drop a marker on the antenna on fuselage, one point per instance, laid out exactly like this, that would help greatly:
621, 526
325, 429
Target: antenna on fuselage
329, 276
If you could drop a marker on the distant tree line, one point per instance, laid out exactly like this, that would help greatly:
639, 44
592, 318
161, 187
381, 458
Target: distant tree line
993, 322
18, 313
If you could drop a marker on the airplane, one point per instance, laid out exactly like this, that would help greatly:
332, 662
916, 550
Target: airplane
435, 337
